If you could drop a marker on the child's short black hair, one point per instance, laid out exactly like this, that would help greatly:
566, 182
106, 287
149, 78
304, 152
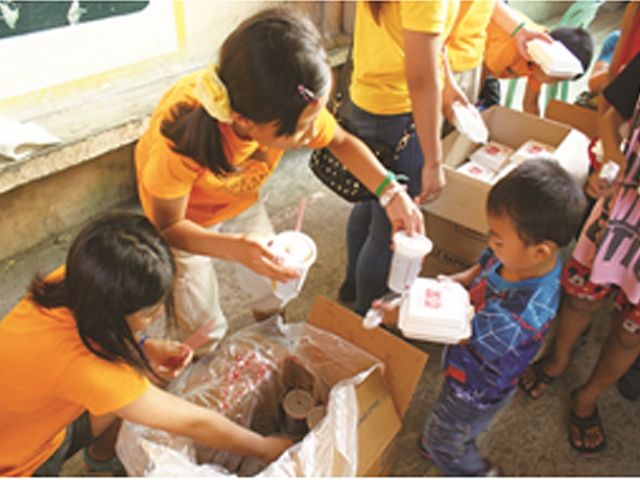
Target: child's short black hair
542, 199
578, 41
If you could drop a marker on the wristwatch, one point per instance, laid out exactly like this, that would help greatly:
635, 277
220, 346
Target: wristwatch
390, 193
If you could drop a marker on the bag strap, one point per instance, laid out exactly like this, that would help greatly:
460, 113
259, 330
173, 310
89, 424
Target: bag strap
341, 88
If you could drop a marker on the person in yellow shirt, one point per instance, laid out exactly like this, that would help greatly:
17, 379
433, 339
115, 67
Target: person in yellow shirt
72, 365
503, 59
396, 80
215, 138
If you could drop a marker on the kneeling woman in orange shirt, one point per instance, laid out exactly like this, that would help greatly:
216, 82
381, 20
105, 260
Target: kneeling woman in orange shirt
71, 366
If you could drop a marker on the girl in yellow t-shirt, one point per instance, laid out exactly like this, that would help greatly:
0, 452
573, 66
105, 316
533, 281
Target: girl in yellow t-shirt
71, 366
396, 80
214, 139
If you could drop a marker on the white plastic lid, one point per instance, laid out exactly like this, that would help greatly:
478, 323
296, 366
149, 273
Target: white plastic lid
416, 246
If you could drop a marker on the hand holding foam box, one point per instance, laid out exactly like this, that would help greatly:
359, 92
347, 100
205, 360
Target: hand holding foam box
469, 122
555, 59
532, 149
492, 155
436, 311
475, 170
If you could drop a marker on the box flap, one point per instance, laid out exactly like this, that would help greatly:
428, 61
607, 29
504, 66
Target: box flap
404, 362
512, 127
378, 423
580, 118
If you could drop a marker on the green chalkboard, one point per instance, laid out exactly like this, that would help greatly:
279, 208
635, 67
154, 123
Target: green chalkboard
22, 17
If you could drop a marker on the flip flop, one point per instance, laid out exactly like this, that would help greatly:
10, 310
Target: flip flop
582, 425
540, 378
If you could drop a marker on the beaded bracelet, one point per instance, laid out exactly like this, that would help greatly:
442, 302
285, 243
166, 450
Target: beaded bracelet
517, 29
142, 340
391, 177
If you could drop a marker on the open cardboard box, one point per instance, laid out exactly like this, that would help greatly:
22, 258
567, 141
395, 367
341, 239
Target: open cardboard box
371, 376
381, 408
455, 248
463, 198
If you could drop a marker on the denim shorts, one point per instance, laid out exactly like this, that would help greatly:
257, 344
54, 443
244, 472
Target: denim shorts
78, 435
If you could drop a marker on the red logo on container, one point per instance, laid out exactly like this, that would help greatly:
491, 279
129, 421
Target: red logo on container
492, 150
535, 149
432, 298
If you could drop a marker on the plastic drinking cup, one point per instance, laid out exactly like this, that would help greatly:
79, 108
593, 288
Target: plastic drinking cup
407, 260
298, 251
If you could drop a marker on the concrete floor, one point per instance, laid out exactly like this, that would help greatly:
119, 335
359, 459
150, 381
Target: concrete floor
528, 438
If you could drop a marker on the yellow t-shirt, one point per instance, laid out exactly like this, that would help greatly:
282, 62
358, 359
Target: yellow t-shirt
164, 174
465, 44
379, 82
48, 379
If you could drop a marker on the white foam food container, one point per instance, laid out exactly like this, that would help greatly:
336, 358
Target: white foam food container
492, 155
532, 149
436, 311
504, 171
475, 170
555, 59
469, 122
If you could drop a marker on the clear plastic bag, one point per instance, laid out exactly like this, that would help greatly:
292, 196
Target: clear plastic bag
246, 379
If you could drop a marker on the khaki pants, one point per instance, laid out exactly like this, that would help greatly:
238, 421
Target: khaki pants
196, 291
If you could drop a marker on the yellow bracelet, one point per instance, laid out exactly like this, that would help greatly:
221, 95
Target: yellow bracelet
517, 29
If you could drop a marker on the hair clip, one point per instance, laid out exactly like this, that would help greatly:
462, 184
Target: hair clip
307, 94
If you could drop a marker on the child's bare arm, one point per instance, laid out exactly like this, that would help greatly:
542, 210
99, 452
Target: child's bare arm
464, 277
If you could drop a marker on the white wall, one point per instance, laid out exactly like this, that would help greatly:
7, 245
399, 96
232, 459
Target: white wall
51, 65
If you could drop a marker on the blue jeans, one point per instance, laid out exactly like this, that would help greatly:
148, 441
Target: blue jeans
449, 434
368, 228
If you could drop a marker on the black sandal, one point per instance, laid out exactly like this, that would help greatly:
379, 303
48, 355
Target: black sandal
540, 377
582, 425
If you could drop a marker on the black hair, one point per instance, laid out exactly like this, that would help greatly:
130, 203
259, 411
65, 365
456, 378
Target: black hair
578, 41
375, 7
117, 265
262, 63
542, 200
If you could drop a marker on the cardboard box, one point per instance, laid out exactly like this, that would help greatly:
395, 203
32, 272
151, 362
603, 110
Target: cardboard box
581, 118
382, 404
463, 199
248, 377
455, 247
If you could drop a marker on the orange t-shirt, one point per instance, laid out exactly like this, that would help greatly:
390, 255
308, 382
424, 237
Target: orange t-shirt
501, 55
164, 174
48, 379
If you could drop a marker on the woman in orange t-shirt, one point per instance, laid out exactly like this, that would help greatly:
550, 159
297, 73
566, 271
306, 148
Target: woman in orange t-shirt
215, 138
71, 366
